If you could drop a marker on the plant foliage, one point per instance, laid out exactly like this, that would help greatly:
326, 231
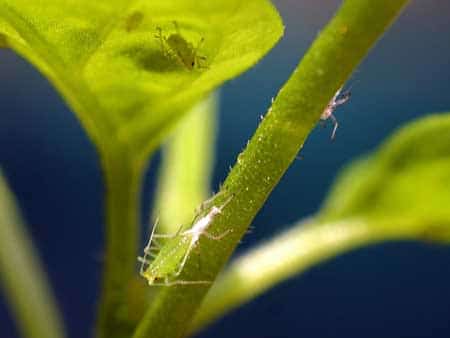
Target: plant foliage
132, 71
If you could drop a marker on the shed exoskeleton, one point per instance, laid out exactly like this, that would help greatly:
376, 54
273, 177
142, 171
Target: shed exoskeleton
168, 261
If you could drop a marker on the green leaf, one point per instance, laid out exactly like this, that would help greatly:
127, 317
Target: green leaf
297, 108
407, 181
22, 277
105, 60
401, 192
105, 54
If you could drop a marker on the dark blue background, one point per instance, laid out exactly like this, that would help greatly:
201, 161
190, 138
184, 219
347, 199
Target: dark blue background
392, 290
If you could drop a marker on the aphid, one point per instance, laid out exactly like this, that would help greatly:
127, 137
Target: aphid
133, 21
335, 102
161, 270
176, 46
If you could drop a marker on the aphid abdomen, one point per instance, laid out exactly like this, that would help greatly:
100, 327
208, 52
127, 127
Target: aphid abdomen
177, 42
182, 49
171, 258
166, 264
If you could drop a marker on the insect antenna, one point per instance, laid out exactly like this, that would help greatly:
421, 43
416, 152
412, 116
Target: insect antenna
335, 123
177, 27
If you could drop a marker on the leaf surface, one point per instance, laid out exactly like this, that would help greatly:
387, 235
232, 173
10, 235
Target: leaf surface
120, 78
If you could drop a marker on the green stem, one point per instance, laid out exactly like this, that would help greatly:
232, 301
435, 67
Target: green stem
122, 207
291, 253
183, 182
333, 56
185, 174
22, 277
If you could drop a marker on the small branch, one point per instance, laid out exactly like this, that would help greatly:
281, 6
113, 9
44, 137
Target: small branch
22, 277
305, 245
122, 208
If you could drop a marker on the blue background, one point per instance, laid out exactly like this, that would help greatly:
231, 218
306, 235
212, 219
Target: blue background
391, 290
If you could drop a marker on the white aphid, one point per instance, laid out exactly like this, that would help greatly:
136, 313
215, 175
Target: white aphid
335, 102
200, 228
153, 272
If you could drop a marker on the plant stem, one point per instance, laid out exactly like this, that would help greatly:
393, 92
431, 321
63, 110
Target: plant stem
122, 207
333, 56
185, 172
25, 284
291, 253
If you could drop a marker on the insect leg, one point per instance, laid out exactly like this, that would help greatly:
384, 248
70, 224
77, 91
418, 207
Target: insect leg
177, 27
145, 259
149, 254
152, 252
197, 57
228, 200
167, 282
151, 240
186, 255
217, 237
186, 282
161, 39
344, 98
168, 235
154, 246
201, 65
204, 205
199, 44
165, 235
335, 123
144, 263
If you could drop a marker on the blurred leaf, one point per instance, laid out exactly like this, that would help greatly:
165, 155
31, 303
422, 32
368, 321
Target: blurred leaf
401, 192
22, 277
185, 172
105, 58
406, 182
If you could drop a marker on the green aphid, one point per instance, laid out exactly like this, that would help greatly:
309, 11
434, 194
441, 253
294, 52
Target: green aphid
176, 46
165, 267
133, 21
169, 260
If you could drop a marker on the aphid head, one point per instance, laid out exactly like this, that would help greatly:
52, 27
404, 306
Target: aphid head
215, 211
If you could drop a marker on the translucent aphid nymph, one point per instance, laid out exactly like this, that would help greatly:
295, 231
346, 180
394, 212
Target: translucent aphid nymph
177, 47
337, 100
161, 265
